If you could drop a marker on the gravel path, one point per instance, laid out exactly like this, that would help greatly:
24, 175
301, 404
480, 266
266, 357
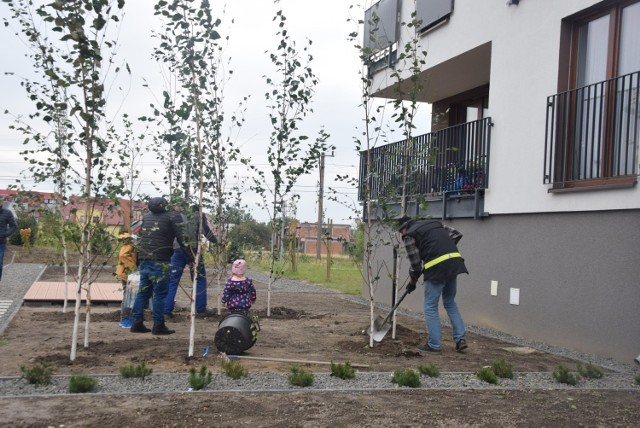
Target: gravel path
277, 382
19, 277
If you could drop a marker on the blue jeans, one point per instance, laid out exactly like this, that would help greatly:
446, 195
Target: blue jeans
178, 263
154, 281
432, 292
2, 247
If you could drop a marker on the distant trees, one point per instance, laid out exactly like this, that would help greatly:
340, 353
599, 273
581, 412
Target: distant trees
250, 234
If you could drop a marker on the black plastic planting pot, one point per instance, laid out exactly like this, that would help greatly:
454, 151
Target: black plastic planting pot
236, 334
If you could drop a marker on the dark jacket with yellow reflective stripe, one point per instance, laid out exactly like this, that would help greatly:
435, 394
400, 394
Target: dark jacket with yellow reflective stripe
433, 241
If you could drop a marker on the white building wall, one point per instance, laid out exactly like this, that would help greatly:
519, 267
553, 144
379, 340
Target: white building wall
525, 42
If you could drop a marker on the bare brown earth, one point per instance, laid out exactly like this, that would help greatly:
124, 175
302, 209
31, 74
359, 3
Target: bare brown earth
302, 326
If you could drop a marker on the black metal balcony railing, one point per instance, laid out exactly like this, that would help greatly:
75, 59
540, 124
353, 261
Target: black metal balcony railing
592, 132
453, 160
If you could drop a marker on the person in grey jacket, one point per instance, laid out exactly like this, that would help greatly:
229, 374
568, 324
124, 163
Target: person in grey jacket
7, 227
155, 248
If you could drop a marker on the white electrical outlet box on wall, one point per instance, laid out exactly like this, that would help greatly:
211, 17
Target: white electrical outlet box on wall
494, 288
514, 296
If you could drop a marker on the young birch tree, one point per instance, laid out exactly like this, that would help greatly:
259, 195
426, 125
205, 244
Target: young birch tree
407, 88
74, 64
193, 50
289, 96
377, 202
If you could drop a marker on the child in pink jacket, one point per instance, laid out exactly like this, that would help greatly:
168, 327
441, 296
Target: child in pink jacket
239, 293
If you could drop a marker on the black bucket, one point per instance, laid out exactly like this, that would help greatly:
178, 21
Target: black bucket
236, 333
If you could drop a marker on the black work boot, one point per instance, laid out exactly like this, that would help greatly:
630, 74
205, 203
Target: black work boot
161, 330
139, 327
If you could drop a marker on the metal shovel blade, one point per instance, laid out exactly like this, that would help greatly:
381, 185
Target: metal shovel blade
380, 329
381, 326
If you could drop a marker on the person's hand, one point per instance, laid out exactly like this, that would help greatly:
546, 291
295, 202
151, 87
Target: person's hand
411, 286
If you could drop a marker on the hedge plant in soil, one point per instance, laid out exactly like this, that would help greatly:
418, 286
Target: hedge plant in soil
589, 371
200, 379
563, 375
300, 377
37, 374
488, 375
429, 370
408, 377
502, 369
234, 369
140, 371
343, 371
82, 383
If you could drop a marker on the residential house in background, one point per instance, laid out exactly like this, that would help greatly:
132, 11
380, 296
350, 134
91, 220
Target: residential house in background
115, 215
307, 234
533, 155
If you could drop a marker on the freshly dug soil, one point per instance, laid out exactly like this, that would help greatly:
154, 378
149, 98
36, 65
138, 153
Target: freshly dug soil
304, 327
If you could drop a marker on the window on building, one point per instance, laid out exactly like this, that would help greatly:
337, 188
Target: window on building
381, 26
599, 111
432, 13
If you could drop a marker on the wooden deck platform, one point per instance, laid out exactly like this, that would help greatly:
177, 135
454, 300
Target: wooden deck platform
101, 292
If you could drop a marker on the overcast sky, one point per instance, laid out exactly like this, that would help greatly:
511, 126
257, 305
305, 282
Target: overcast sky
336, 103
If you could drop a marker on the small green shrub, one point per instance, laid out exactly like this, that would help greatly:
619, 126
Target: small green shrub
24, 220
300, 377
37, 374
502, 369
487, 374
198, 380
637, 378
429, 370
408, 377
589, 371
140, 371
234, 369
81, 383
563, 375
343, 371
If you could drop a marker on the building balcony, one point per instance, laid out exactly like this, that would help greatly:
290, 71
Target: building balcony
444, 173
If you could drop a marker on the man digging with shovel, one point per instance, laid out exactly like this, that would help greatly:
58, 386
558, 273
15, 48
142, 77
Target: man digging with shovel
432, 252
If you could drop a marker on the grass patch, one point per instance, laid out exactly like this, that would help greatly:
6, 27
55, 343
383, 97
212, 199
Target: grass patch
81, 383
589, 371
234, 369
37, 374
300, 377
429, 370
141, 371
563, 375
200, 379
407, 377
502, 369
343, 371
637, 378
345, 275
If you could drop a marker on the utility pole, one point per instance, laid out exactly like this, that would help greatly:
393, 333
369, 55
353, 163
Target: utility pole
320, 197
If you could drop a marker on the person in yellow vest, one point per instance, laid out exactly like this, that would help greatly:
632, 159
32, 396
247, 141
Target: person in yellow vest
432, 252
127, 264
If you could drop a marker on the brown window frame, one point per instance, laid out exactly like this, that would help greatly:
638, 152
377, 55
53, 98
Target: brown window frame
569, 69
